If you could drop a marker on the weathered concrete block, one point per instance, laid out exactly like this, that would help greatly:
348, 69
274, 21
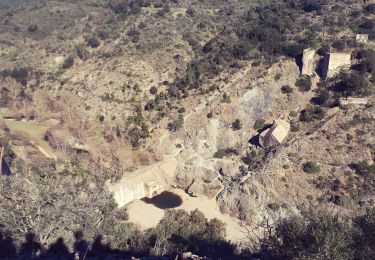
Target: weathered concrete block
353, 101
145, 182
333, 62
362, 38
308, 62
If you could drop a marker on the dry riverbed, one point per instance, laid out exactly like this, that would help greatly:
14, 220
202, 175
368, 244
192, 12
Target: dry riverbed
147, 215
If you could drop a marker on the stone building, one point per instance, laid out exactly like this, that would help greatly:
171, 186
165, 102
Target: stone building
275, 135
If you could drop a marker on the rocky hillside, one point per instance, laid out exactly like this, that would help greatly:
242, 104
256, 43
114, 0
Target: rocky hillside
101, 88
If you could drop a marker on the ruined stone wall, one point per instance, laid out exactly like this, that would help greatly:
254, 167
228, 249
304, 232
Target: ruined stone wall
362, 38
333, 62
353, 101
308, 62
144, 182
125, 194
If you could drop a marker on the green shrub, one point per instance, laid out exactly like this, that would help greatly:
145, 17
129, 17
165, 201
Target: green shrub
153, 90
259, 124
32, 28
68, 62
237, 125
226, 98
286, 89
150, 105
295, 127
220, 154
312, 236
273, 206
312, 5
323, 96
82, 53
353, 84
176, 124
365, 169
304, 84
370, 8
311, 167
93, 42
312, 113
21, 74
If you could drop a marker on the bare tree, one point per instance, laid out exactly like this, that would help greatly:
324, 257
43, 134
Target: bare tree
52, 205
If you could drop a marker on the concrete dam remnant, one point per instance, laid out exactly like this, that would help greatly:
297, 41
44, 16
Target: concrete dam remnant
308, 62
335, 61
362, 38
146, 182
353, 101
329, 65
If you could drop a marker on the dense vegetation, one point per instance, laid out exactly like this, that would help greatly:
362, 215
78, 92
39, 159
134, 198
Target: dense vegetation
322, 236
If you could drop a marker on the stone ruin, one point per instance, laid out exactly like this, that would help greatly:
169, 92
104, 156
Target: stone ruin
333, 62
329, 65
362, 38
308, 62
275, 135
353, 101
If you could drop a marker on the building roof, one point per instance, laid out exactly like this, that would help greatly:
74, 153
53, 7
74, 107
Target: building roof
281, 130
274, 135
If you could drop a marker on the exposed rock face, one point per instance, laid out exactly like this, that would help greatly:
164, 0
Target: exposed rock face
198, 180
242, 200
308, 67
333, 62
274, 135
362, 38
